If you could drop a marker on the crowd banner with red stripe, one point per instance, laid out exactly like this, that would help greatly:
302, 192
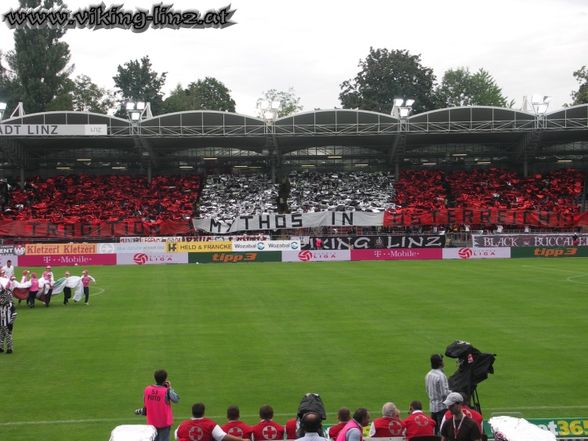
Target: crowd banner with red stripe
491, 216
42, 228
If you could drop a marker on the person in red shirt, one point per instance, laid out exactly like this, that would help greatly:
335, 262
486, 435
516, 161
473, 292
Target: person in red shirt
389, 424
343, 416
291, 428
234, 426
266, 429
199, 428
417, 423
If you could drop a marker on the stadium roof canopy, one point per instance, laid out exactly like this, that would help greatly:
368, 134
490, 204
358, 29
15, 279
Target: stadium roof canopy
458, 136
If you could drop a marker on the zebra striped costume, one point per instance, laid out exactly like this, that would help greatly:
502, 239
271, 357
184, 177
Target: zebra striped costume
7, 317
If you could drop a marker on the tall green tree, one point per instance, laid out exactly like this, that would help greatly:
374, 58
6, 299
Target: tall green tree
580, 96
137, 81
206, 94
459, 87
9, 89
40, 62
289, 102
87, 96
385, 75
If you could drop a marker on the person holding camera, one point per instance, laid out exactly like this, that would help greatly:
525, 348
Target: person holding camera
157, 399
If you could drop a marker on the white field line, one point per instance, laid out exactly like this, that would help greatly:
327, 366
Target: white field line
141, 420
570, 279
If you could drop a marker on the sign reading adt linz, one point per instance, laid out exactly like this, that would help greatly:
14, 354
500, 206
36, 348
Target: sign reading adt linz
53, 130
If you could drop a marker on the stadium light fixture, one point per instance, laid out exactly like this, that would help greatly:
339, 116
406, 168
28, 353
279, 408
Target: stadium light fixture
334, 157
209, 159
269, 110
402, 108
136, 110
186, 167
540, 103
84, 160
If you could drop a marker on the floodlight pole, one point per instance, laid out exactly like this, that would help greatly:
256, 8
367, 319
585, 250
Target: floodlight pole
269, 111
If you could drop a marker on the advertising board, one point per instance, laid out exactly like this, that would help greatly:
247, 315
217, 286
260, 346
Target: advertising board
150, 258
68, 260
267, 245
398, 254
266, 256
316, 256
476, 253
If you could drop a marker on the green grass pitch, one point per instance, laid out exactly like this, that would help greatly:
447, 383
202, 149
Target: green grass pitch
359, 333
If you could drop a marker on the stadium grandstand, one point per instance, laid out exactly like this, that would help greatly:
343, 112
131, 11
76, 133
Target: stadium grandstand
163, 171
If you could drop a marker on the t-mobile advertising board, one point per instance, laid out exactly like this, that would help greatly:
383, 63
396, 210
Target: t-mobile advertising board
150, 258
476, 253
398, 254
68, 260
316, 256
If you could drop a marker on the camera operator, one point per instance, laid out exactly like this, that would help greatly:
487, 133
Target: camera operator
157, 400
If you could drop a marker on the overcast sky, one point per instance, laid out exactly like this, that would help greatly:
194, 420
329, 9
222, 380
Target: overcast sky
529, 46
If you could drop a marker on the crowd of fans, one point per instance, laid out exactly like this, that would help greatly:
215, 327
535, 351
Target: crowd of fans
224, 197
341, 191
556, 191
76, 198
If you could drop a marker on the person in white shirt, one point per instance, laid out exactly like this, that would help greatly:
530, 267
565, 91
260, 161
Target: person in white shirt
8, 269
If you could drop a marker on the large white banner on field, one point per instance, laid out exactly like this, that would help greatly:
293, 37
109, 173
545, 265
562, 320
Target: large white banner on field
267, 245
291, 220
476, 253
316, 256
130, 247
150, 258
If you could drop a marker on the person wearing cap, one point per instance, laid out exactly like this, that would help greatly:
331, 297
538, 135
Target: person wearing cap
437, 389
467, 411
459, 427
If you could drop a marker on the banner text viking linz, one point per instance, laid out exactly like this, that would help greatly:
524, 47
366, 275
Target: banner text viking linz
100, 17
